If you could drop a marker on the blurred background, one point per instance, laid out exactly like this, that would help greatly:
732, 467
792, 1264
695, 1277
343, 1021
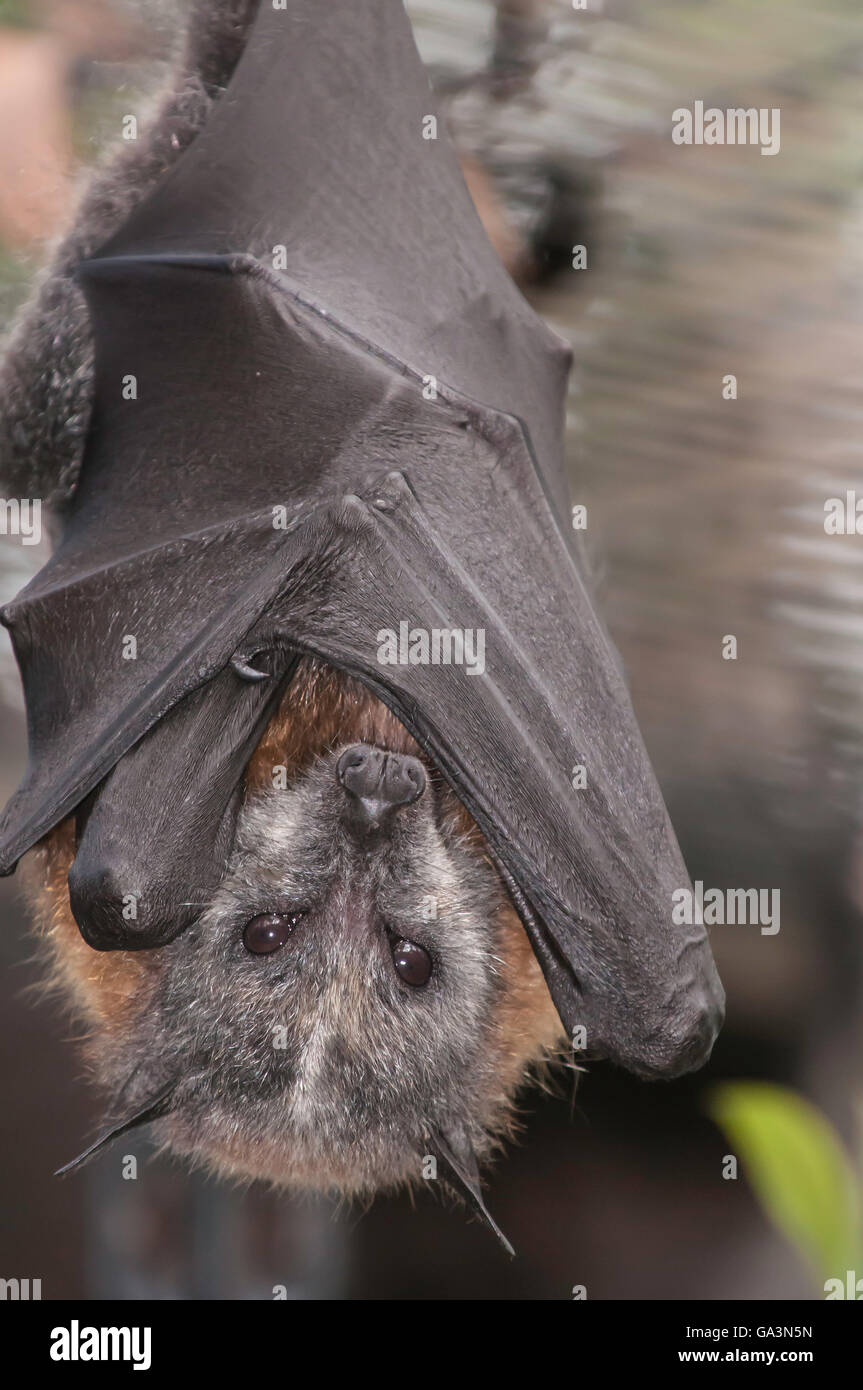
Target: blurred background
705, 519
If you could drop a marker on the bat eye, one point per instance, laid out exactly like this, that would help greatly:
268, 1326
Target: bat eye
268, 933
412, 963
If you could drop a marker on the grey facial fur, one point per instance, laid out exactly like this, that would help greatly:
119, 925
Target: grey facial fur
318, 1065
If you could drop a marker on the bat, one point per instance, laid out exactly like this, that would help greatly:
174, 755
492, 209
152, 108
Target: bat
341, 813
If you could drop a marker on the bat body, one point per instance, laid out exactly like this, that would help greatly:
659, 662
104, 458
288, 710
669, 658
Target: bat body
318, 870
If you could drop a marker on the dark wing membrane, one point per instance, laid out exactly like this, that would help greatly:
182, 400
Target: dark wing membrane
316, 163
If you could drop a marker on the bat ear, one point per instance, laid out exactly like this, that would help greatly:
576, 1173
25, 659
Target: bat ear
151, 1111
456, 1156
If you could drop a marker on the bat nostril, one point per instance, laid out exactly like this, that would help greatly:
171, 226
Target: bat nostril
359, 769
413, 778
378, 782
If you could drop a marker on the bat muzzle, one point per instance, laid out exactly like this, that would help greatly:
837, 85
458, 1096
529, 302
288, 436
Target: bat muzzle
378, 784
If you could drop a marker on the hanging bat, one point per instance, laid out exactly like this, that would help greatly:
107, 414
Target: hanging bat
342, 817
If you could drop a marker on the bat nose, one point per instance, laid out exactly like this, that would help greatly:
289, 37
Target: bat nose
378, 783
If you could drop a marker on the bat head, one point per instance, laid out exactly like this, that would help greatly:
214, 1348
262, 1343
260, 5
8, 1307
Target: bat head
335, 1005
356, 994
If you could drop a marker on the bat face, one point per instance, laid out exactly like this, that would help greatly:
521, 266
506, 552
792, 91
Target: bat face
357, 986
336, 1001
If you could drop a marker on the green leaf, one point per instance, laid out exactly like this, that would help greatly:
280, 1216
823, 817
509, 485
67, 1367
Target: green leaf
798, 1169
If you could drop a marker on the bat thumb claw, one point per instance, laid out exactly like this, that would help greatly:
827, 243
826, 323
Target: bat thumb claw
151, 1111
458, 1160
